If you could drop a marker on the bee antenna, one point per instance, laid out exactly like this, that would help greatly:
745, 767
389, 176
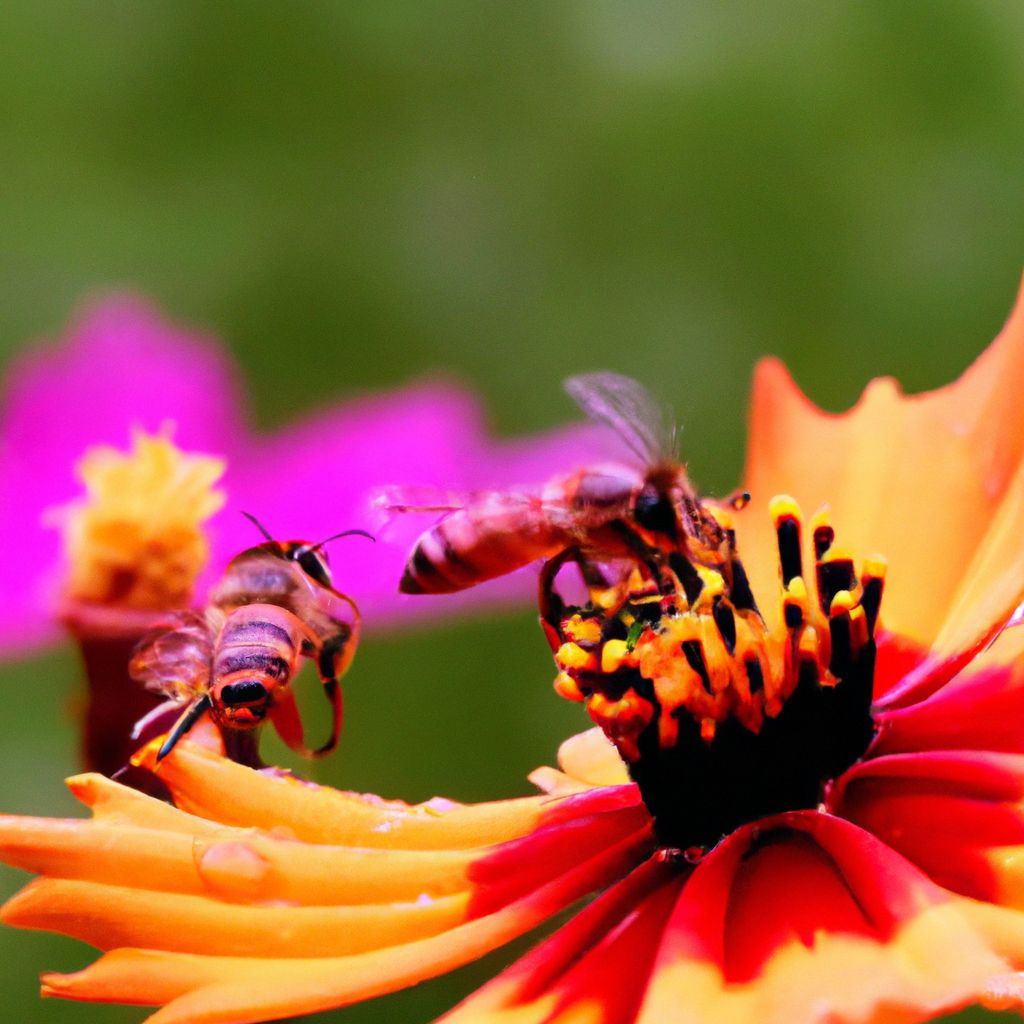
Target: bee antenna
259, 526
344, 533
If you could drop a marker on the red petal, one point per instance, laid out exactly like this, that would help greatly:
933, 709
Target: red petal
978, 711
944, 811
597, 957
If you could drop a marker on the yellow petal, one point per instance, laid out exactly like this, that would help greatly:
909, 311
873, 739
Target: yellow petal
592, 758
217, 990
934, 964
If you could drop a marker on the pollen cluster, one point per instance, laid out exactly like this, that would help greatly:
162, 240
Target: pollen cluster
136, 540
721, 717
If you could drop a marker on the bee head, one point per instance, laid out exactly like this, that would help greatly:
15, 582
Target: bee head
310, 558
655, 511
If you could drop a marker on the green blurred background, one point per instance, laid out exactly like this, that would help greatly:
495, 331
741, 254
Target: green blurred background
352, 194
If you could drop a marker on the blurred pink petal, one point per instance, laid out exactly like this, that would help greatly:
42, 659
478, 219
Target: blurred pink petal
321, 475
119, 367
122, 367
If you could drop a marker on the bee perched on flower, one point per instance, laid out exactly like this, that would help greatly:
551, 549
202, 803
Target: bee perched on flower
236, 659
804, 800
651, 514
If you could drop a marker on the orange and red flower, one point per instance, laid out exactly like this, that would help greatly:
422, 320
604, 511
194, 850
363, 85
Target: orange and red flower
895, 895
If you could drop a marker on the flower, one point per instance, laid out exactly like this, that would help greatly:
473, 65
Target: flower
135, 545
263, 896
122, 368
137, 540
861, 857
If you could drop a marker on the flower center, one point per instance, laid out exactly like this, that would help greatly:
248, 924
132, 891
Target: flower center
136, 541
720, 717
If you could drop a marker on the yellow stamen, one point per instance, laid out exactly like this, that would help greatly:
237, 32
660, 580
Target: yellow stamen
572, 656
782, 506
613, 655
136, 539
567, 687
583, 630
875, 567
709, 658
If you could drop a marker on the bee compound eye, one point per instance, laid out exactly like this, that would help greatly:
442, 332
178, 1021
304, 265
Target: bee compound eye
248, 691
314, 565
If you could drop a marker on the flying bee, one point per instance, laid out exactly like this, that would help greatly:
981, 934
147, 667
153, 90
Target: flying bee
275, 605
650, 514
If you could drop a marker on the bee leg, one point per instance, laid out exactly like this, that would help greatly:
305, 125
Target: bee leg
195, 711
285, 715
550, 603
334, 658
647, 556
592, 575
284, 712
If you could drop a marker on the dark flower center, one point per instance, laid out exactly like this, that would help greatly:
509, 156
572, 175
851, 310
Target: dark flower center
721, 718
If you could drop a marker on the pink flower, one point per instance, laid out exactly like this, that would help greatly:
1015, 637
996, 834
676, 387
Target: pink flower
122, 367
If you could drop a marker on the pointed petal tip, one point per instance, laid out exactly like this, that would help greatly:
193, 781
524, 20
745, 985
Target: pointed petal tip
19, 910
79, 785
53, 985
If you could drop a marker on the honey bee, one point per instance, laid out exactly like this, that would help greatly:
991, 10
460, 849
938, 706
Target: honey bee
275, 605
650, 514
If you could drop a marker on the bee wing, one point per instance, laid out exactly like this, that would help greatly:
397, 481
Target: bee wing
174, 658
627, 407
319, 608
390, 502
402, 500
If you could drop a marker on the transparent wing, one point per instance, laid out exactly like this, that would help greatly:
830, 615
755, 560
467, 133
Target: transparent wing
174, 658
389, 502
627, 407
498, 507
319, 608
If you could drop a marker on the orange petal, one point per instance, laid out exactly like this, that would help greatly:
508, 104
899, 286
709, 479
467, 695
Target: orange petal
142, 976
231, 864
803, 918
110, 801
592, 758
934, 964
109, 916
213, 787
104, 853
228, 990
931, 481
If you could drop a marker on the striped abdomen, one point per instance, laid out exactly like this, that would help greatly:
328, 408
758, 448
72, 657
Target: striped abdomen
258, 649
489, 537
